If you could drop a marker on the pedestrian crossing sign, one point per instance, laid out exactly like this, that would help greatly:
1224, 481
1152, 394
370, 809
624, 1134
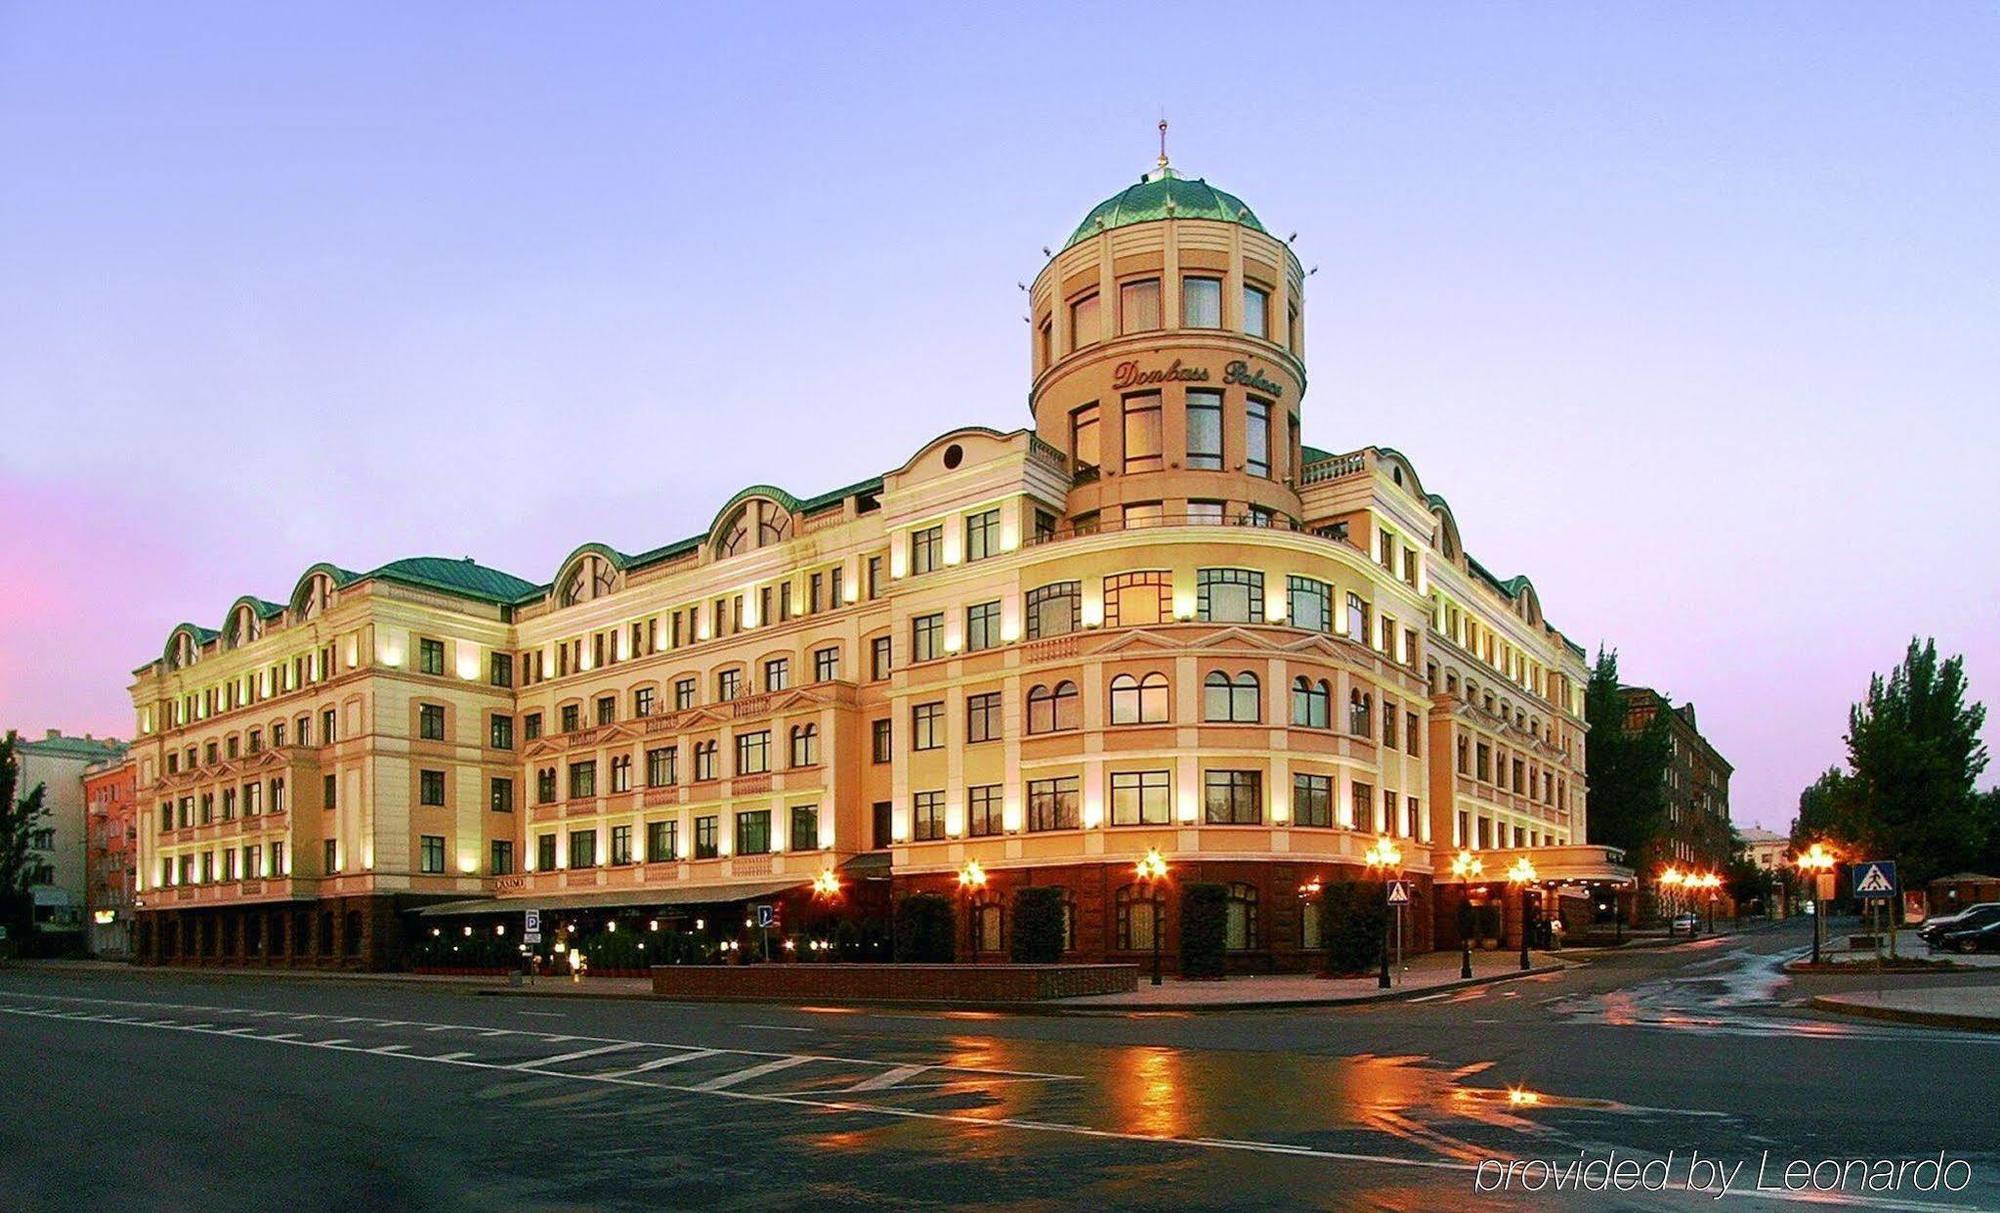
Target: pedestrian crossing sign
1399, 893
1876, 878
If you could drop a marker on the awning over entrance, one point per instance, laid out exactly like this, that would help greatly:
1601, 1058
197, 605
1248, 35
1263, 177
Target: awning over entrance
677, 895
1579, 864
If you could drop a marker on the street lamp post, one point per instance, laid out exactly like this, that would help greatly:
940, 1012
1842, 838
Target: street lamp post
1711, 882
1465, 867
1816, 862
971, 879
1523, 874
1153, 869
1384, 857
1671, 880
825, 891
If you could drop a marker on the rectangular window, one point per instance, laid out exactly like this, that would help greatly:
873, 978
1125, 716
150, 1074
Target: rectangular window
982, 626
1411, 727
1083, 327
1201, 303
582, 779
500, 796
431, 787
826, 664
982, 535
1386, 823
753, 752
927, 549
1256, 311
1312, 800
502, 857
1139, 305
927, 637
621, 845
642, 702
531, 725
683, 694
583, 849
1204, 429
1055, 609
660, 764
545, 852
1309, 604
331, 858
1357, 619
982, 717
728, 685
1140, 798
1229, 595
882, 822
927, 726
329, 790
431, 850
1052, 804
1257, 438
430, 722
662, 845
778, 674
1233, 798
874, 578
879, 660
572, 718
804, 834
1083, 441
1142, 432
430, 656
753, 832
621, 772
500, 732
1138, 599
983, 812
927, 816
1361, 807
500, 670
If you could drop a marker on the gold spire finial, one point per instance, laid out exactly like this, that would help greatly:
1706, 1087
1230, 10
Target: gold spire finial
1163, 138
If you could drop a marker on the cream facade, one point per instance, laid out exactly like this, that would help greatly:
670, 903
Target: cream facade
1155, 620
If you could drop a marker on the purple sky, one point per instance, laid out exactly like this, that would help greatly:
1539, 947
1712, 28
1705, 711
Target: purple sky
1690, 312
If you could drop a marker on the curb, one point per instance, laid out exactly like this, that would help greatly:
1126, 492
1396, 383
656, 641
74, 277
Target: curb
1909, 1015
1061, 1008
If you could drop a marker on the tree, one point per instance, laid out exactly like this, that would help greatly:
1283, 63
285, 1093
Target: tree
1831, 811
926, 929
1627, 769
1039, 933
1913, 745
17, 822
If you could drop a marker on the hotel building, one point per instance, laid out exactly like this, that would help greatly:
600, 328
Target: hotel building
1155, 619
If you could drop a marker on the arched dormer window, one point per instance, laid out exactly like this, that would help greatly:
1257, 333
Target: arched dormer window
591, 577
757, 523
317, 597
183, 651
245, 626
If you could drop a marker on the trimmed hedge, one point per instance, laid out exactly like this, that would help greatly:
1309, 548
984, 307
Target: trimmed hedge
1352, 915
1038, 925
926, 929
1204, 929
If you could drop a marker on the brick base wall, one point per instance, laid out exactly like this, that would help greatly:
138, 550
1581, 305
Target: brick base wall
893, 982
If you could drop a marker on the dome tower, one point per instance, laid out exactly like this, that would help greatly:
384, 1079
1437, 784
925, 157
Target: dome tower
1168, 356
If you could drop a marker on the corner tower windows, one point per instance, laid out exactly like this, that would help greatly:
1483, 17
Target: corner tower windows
1201, 303
1139, 305
1142, 432
1083, 322
1204, 429
1257, 435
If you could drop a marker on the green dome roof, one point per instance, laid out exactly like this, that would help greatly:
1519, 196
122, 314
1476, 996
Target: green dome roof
1164, 194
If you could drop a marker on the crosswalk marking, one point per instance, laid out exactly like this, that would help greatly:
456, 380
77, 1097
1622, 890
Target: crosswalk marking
659, 1063
888, 1078
745, 1075
537, 1062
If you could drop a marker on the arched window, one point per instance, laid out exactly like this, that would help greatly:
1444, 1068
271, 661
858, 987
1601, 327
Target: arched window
1310, 909
1241, 930
1139, 700
1138, 917
755, 524
990, 923
1230, 700
1360, 714
590, 577
1312, 703
1053, 709
805, 745
317, 596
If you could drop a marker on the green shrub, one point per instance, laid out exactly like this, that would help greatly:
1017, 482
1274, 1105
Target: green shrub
1038, 925
1465, 919
1352, 917
926, 929
1489, 921
1204, 929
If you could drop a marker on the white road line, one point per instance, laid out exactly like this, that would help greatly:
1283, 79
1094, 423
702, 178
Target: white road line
544, 1014
1432, 997
888, 1078
338, 1040
745, 1075
775, 1027
389, 1049
661, 1063
562, 1057
443, 1056
992, 1122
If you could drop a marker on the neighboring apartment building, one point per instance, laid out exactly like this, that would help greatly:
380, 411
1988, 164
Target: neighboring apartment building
1155, 620
1697, 785
1765, 849
111, 853
56, 843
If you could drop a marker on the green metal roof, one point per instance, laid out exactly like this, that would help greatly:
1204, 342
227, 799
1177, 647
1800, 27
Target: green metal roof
1312, 454
465, 577
1164, 194
71, 747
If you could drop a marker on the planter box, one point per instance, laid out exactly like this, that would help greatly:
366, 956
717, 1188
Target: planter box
983, 983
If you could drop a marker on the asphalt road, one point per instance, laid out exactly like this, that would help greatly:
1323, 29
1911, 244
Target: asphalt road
150, 1090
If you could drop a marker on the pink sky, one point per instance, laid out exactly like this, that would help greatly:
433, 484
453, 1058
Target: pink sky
1690, 314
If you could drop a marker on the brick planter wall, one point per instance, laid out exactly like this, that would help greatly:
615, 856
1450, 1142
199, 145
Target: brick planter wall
893, 982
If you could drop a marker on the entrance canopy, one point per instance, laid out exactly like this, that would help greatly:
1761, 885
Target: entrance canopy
1580, 864
678, 895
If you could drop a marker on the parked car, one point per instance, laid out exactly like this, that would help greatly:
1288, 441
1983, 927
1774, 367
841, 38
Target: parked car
1970, 916
1684, 921
1985, 938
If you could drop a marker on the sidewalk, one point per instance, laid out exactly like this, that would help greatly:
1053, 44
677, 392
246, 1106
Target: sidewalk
1434, 973
1967, 1008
